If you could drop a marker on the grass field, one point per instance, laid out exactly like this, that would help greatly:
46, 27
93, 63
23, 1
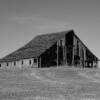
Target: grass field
50, 84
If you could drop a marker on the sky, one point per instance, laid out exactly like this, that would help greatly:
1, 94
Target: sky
22, 20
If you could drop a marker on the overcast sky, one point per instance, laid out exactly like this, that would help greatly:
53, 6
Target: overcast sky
21, 20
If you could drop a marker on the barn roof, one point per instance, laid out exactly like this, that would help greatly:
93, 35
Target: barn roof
35, 47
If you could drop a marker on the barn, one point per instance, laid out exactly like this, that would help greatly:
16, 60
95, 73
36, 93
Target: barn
53, 49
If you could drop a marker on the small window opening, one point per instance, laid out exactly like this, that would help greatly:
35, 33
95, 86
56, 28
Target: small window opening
22, 62
30, 62
35, 60
14, 63
7, 64
0, 65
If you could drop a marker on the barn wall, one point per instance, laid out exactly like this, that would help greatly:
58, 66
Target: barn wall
54, 56
35, 65
69, 48
26, 63
79, 54
61, 52
86, 58
49, 57
3, 65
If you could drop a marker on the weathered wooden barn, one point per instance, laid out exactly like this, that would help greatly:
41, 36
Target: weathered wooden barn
54, 49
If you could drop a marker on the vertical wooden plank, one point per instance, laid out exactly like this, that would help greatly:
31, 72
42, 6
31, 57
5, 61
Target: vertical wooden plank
65, 55
40, 62
65, 51
81, 58
37, 64
84, 57
73, 51
57, 54
63, 46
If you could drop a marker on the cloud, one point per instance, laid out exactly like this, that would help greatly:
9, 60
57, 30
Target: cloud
43, 24
30, 18
23, 19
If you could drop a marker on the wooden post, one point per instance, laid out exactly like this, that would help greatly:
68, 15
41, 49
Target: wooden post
73, 52
40, 62
63, 55
39, 65
85, 57
65, 52
37, 62
57, 54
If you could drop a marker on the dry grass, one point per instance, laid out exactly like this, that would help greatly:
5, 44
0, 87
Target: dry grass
49, 84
